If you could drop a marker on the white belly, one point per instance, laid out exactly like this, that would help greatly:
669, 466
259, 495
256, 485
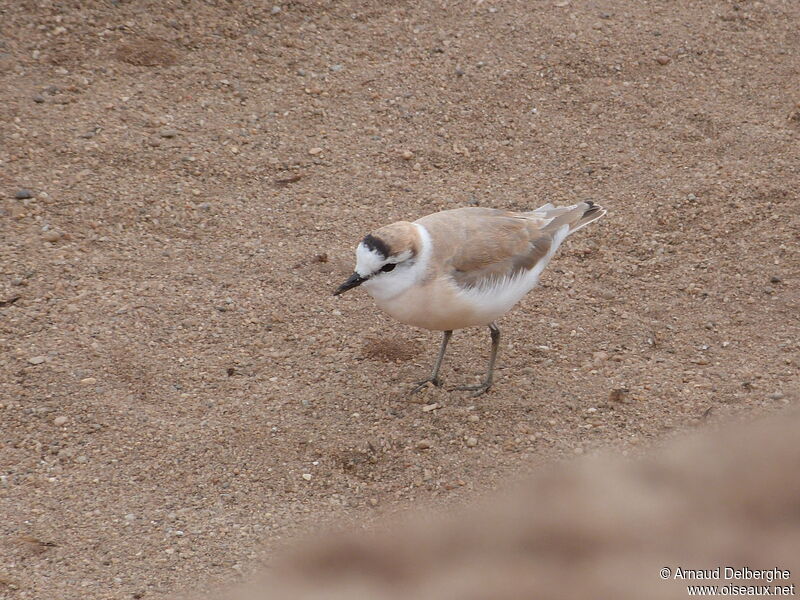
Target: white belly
442, 305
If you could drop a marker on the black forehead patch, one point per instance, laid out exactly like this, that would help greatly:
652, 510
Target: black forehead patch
376, 245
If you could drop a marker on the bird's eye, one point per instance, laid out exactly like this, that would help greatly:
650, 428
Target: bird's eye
388, 267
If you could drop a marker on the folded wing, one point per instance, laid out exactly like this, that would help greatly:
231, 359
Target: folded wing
481, 247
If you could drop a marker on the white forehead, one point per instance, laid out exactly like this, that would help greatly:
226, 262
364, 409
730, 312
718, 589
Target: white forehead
368, 261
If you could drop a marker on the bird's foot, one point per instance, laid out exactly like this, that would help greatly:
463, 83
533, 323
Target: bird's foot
477, 390
424, 383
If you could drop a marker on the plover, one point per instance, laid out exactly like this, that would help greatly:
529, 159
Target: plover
461, 268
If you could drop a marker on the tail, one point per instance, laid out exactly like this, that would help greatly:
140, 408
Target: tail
576, 216
591, 213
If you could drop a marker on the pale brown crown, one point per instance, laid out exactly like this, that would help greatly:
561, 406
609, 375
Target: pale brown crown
395, 239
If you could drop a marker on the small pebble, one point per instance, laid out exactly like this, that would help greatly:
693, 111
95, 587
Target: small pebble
336, 68
88, 381
407, 155
168, 133
618, 395
82, 459
51, 236
473, 418
775, 279
424, 444
315, 151
776, 396
275, 10
23, 194
36, 360
663, 60
472, 442
307, 476
59, 421
38, 98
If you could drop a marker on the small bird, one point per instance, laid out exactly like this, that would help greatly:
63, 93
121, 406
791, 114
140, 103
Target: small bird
461, 268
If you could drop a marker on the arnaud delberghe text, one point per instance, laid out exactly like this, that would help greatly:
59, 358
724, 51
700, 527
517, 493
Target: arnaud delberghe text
731, 573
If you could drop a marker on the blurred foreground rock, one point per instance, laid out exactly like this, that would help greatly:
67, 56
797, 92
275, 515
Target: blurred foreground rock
590, 529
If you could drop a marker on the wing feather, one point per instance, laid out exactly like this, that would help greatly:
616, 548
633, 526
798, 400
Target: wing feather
479, 247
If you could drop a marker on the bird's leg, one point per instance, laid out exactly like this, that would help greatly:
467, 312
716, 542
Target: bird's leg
434, 378
483, 387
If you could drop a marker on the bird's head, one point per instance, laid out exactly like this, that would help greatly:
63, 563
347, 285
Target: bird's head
383, 256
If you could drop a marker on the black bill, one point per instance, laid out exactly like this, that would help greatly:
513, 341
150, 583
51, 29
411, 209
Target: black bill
354, 280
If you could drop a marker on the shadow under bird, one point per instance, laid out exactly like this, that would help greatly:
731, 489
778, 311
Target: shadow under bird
464, 267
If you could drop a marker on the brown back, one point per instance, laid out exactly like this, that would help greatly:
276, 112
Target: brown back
480, 246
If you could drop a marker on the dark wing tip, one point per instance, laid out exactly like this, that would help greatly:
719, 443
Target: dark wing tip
593, 209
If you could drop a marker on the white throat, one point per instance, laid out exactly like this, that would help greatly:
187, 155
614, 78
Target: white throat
384, 286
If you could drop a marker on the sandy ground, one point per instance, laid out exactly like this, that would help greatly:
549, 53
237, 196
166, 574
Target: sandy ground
182, 185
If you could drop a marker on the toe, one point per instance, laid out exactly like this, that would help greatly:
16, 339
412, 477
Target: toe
424, 383
478, 390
